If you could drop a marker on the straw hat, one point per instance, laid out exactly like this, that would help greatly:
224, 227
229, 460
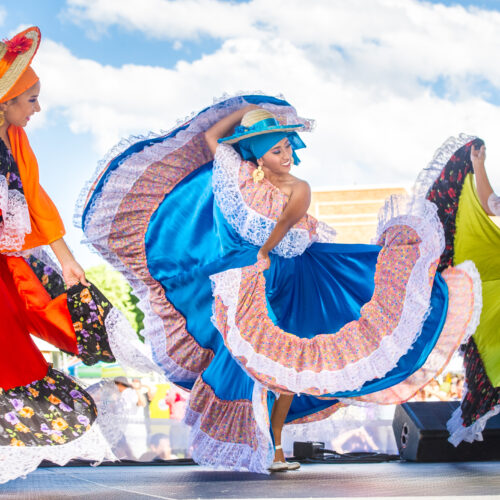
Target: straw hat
258, 122
15, 56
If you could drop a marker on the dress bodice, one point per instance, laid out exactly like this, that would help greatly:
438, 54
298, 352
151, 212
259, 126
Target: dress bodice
252, 209
266, 199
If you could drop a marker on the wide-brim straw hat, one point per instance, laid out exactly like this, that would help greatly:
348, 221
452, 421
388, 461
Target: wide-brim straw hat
258, 122
16, 55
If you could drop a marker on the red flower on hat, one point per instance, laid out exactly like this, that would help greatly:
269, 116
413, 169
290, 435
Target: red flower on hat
18, 44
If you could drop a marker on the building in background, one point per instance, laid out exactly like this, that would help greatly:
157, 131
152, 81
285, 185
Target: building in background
351, 211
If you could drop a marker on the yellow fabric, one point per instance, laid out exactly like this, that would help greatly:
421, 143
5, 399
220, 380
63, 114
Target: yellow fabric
46, 223
478, 239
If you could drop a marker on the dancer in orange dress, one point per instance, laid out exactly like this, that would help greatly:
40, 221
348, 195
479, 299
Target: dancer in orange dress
44, 414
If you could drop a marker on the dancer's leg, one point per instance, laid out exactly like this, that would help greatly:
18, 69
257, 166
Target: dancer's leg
278, 416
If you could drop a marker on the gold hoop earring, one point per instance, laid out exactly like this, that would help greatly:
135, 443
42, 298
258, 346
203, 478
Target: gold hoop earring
2, 118
258, 174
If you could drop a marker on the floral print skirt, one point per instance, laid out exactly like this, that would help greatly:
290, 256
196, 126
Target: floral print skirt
48, 412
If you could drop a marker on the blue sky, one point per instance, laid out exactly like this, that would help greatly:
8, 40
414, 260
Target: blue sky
387, 84
116, 46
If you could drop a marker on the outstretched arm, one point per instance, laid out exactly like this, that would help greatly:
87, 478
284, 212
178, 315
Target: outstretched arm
295, 209
223, 127
484, 189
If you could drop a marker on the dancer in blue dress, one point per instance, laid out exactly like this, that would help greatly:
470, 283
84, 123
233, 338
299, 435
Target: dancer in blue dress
246, 296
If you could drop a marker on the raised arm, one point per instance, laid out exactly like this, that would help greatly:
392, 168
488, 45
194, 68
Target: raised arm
295, 209
224, 127
484, 189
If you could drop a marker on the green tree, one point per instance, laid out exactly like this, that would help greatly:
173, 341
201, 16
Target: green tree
116, 289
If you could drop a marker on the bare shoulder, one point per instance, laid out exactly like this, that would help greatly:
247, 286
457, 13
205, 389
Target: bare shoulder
300, 187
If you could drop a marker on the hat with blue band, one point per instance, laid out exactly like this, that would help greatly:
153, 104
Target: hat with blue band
259, 131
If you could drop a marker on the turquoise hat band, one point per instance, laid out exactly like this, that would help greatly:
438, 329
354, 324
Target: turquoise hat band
257, 127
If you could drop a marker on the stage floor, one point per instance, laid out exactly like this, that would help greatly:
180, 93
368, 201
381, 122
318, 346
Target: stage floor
385, 480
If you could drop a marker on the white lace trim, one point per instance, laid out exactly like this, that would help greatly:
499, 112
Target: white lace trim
112, 412
16, 218
261, 415
442, 156
249, 224
392, 347
326, 233
494, 204
470, 268
233, 456
458, 432
128, 350
17, 461
104, 208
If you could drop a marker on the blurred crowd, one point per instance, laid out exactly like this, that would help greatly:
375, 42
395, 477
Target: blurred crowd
153, 414
447, 387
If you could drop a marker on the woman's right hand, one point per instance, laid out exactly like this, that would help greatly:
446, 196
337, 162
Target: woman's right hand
264, 255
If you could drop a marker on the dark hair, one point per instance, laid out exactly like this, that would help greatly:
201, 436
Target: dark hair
155, 439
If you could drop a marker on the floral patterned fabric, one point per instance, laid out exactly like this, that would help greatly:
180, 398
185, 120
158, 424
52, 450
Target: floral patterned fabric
10, 170
51, 411
50, 279
445, 193
89, 308
481, 397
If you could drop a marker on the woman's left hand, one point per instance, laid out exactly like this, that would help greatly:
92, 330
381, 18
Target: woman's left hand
477, 156
73, 273
263, 255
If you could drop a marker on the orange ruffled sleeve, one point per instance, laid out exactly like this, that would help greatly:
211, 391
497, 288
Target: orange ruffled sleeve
46, 223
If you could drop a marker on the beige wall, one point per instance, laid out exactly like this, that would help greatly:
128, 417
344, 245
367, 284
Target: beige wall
351, 212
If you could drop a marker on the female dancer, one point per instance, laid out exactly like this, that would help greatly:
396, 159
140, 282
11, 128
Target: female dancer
464, 207
245, 296
44, 414
274, 163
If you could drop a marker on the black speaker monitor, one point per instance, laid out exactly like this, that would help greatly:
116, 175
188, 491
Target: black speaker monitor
421, 434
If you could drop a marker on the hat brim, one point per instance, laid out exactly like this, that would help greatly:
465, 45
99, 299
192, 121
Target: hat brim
21, 62
232, 139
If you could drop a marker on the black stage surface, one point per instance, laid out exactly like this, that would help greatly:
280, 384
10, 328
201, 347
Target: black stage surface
393, 480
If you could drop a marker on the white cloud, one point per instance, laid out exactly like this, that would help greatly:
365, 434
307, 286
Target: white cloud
166, 19
405, 40
359, 68
3, 15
